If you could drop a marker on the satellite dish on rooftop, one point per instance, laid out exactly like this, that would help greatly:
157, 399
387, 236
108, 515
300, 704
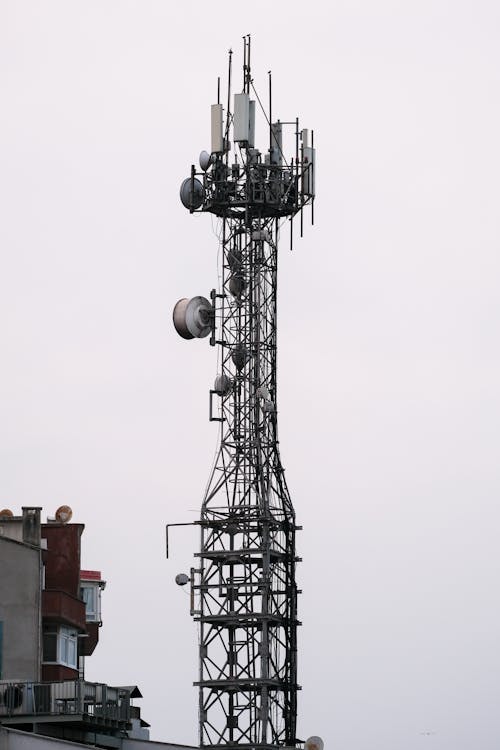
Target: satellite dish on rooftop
6, 513
64, 514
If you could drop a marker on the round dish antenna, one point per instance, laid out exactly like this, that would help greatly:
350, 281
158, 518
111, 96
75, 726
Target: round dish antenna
240, 356
191, 193
64, 514
193, 317
181, 579
205, 160
6, 513
223, 385
314, 743
237, 284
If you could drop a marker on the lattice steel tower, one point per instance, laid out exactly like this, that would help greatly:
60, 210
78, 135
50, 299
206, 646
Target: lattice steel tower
244, 594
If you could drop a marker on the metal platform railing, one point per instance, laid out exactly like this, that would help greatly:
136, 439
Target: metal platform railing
70, 697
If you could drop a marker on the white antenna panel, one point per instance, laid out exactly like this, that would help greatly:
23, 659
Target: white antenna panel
277, 143
309, 170
217, 139
241, 127
251, 126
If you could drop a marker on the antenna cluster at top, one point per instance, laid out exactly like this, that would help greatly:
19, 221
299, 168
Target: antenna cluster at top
236, 177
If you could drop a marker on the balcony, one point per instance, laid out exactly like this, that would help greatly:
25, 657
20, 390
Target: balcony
60, 606
73, 702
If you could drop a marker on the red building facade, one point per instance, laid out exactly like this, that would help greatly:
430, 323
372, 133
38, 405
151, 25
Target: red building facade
71, 614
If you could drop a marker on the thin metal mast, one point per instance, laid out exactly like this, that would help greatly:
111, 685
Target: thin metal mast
245, 577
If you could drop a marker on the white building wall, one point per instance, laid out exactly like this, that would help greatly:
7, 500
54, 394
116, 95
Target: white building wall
20, 610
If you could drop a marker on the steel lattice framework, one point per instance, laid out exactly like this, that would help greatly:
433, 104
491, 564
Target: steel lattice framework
245, 580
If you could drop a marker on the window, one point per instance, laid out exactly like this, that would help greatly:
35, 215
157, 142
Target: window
90, 595
60, 646
50, 643
67, 642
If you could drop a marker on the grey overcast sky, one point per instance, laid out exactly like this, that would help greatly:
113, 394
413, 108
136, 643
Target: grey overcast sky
389, 363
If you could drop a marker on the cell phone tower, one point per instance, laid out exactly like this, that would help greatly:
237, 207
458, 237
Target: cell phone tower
244, 585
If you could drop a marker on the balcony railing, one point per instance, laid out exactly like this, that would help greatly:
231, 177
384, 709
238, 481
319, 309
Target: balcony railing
59, 605
89, 701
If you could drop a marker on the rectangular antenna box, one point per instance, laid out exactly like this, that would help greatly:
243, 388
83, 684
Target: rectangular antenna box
244, 120
277, 143
217, 137
241, 117
309, 178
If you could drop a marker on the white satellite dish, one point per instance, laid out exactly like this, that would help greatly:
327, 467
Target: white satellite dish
64, 514
314, 743
205, 160
223, 384
193, 317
